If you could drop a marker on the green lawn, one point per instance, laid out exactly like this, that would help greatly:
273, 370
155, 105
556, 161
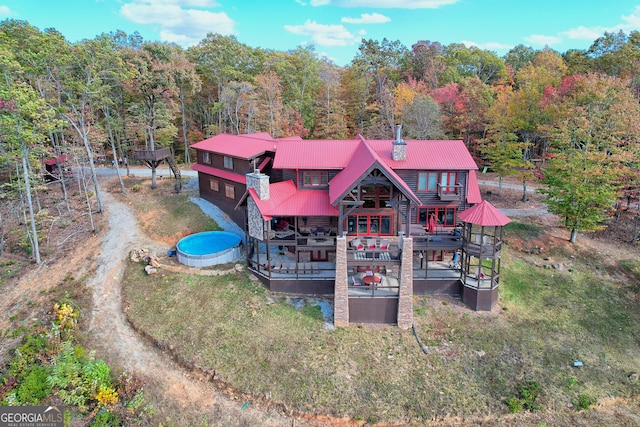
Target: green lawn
258, 343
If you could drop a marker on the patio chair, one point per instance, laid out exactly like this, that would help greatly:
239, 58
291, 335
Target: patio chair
357, 244
371, 243
384, 244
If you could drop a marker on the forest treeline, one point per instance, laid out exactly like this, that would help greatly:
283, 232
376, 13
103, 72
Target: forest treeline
569, 119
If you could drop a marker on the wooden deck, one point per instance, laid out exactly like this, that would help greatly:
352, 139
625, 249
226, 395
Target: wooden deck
152, 155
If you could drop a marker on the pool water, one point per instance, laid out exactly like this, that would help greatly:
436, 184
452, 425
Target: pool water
208, 248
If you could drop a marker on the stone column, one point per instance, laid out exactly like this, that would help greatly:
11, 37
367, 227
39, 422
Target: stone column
405, 302
341, 290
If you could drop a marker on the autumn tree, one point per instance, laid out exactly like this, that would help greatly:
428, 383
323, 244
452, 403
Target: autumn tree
425, 63
463, 62
81, 77
503, 152
519, 57
220, 60
594, 140
154, 90
354, 93
330, 120
25, 123
270, 114
519, 110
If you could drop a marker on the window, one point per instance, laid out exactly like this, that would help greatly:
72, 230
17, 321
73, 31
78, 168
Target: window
448, 181
369, 225
206, 157
229, 191
446, 216
427, 181
228, 162
315, 178
214, 185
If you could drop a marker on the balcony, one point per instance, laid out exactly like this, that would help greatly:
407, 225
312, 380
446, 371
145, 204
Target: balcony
449, 193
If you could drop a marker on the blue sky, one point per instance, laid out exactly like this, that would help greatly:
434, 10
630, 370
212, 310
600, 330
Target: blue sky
335, 27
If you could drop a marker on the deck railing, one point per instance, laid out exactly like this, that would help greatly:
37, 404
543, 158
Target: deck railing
153, 155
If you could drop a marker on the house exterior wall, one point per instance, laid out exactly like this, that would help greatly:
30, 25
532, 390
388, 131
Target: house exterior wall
290, 174
218, 198
431, 198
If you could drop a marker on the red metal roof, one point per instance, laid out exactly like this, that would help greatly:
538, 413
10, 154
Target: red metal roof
264, 163
235, 177
314, 154
484, 214
241, 146
364, 159
54, 161
336, 154
287, 200
473, 189
427, 155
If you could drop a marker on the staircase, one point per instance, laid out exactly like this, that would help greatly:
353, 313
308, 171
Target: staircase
176, 172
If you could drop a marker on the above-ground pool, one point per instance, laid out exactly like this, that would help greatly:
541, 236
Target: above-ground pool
208, 248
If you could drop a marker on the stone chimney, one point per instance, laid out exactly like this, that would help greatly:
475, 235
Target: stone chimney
399, 150
259, 182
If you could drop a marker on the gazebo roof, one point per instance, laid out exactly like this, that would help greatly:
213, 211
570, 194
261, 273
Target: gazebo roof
484, 214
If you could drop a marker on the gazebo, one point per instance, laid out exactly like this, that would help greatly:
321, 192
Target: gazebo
481, 254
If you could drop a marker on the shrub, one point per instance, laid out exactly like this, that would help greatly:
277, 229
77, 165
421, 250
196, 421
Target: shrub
528, 394
34, 387
585, 401
106, 419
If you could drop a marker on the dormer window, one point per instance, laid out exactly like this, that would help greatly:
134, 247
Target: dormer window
315, 178
228, 162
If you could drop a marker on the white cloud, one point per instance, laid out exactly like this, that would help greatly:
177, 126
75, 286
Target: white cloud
5, 12
584, 33
632, 22
492, 46
389, 4
629, 23
179, 21
542, 40
324, 35
367, 18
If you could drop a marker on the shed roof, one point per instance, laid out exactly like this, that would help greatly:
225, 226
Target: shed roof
220, 173
286, 200
473, 189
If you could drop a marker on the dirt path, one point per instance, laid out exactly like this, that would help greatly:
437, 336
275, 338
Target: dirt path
115, 341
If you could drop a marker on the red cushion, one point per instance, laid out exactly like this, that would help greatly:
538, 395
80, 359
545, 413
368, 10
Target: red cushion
372, 246
383, 247
360, 247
